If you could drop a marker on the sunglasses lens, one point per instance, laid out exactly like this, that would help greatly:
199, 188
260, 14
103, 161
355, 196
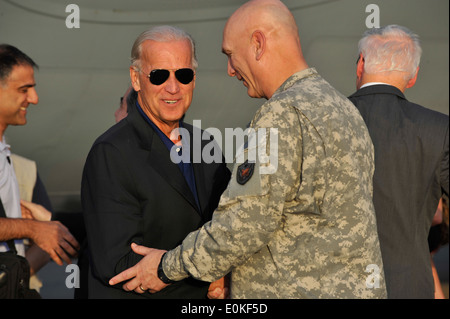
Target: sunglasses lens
185, 76
158, 77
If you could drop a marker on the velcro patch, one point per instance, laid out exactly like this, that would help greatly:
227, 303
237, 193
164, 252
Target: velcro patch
244, 172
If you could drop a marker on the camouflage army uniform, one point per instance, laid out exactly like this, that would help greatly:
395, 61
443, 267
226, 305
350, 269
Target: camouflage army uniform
308, 230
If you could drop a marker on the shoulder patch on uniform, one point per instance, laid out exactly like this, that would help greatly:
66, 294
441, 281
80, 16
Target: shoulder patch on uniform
244, 172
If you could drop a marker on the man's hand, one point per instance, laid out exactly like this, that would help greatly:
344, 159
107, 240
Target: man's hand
34, 211
219, 289
56, 240
143, 275
52, 237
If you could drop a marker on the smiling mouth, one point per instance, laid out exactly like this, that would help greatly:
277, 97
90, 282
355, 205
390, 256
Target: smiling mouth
240, 78
170, 101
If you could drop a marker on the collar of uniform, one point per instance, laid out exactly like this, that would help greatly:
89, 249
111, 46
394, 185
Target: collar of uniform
295, 78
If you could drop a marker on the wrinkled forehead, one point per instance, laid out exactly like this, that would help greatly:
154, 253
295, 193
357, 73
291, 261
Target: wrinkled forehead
174, 54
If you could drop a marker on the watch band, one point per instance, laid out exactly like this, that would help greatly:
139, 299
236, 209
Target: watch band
161, 275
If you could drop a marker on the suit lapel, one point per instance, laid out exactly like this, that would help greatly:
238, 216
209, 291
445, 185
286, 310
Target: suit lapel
196, 147
158, 154
199, 183
159, 159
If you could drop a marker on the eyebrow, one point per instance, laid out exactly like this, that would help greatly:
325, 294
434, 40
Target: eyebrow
26, 86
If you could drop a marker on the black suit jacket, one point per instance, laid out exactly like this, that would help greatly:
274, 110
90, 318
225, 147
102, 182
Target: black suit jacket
133, 192
411, 174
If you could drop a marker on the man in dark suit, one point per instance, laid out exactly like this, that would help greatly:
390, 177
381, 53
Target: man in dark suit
132, 190
411, 157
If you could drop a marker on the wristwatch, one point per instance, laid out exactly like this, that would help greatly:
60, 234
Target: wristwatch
161, 275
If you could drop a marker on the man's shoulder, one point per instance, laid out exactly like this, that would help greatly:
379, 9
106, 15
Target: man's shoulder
379, 94
115, 135
427, 114
379, 97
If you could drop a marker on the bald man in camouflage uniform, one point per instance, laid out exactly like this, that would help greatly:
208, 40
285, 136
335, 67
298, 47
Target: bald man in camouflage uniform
307, 228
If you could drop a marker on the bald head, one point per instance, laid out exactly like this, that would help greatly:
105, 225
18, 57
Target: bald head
263, 46
265, 15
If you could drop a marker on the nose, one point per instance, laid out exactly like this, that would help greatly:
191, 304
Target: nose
231, 71
172, 85
33, 97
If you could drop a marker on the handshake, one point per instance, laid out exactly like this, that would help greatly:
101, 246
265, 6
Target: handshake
51, 236
143, 276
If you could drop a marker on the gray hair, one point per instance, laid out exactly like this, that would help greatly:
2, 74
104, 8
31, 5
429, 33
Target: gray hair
390, 48
164, 33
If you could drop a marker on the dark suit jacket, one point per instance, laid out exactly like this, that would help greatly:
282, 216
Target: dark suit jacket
133, 192
411, 174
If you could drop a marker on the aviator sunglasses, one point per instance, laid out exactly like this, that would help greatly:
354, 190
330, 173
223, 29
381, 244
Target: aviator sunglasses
159, 76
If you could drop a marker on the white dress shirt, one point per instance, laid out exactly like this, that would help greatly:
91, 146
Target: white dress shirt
9, 193
373, 83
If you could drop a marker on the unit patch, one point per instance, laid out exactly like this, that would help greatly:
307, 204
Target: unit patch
244, 172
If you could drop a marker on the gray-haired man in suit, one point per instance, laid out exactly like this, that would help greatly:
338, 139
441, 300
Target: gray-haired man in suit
132, 191
411, 157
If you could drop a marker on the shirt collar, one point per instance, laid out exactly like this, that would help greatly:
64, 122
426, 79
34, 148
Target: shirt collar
169, 144
373, 83
5, 148
295, 78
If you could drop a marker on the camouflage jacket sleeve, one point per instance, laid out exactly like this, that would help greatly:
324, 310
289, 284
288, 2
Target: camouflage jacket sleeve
251, 209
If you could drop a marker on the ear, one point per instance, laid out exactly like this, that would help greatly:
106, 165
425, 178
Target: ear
259, 44
412, 81
134, 76
360, 66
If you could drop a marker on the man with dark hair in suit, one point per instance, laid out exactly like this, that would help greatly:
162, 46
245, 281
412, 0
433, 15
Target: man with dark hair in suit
411, 157
132, 191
